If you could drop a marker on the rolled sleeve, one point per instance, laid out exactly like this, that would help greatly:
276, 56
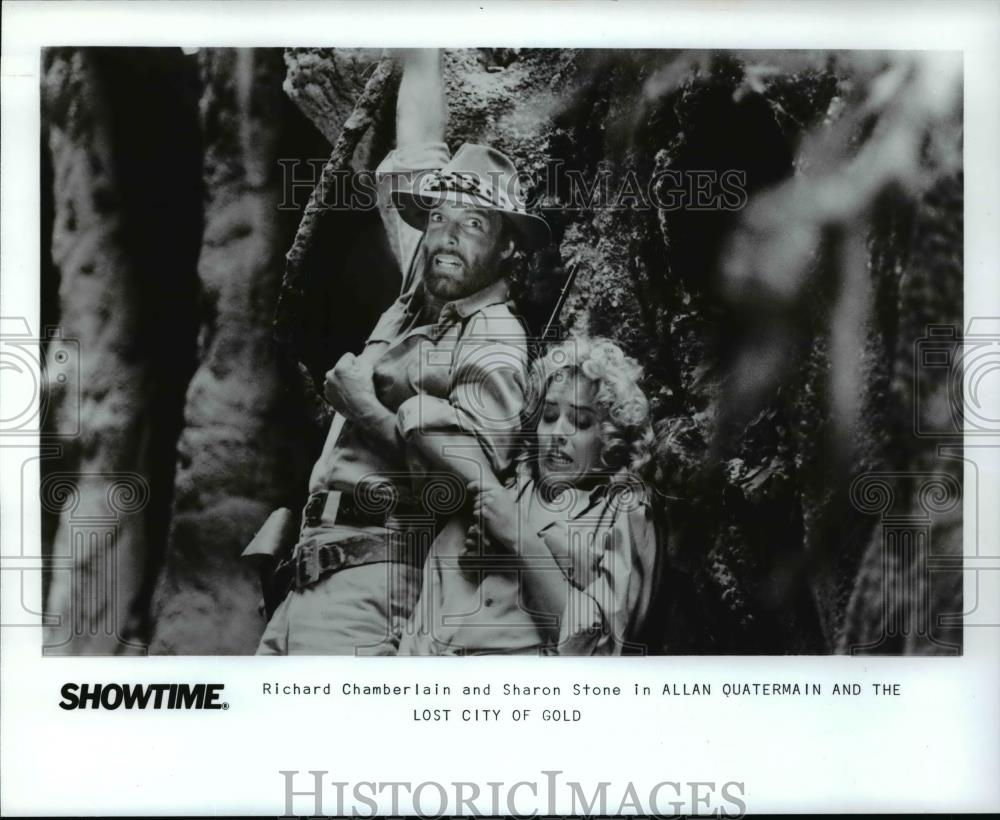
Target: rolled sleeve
485, 401
399, 171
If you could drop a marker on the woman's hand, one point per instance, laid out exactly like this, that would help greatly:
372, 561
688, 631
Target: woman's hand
494, 507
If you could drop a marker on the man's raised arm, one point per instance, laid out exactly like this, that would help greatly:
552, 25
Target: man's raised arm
421, 110
421, 117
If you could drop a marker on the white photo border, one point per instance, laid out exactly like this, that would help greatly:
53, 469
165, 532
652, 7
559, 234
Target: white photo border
935, 748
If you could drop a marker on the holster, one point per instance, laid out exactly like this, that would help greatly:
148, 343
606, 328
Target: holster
273, 543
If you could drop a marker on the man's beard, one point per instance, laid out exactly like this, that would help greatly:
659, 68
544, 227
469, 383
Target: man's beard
464, 281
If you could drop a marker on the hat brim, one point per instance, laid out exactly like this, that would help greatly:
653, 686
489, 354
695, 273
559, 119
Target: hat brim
533, 231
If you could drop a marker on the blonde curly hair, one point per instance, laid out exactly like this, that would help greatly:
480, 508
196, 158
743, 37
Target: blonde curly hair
621, 405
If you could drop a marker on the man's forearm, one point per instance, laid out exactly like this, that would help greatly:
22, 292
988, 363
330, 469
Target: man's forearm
454, 453
377, 424
421, 111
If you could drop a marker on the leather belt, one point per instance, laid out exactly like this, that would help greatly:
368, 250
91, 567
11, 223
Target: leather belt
314, 560
341, 508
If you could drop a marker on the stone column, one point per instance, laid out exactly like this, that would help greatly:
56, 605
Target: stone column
236, 457
98, 552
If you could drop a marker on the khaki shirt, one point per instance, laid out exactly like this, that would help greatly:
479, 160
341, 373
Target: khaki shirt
465, 373
604, 543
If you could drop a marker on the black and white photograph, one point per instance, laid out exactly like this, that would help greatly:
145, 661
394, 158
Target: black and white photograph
680, 354
546, 351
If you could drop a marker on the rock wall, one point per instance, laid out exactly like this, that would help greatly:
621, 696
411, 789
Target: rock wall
242, 450
118, 283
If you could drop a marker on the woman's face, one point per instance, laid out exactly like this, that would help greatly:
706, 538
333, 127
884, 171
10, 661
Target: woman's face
569, 436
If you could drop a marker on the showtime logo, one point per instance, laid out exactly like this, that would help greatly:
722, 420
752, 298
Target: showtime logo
142, 696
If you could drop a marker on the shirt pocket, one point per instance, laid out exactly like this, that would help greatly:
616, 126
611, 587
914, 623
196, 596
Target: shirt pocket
429, 371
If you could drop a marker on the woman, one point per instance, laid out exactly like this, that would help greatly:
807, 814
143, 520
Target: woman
559, 561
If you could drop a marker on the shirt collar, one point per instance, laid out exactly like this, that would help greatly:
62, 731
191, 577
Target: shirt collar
463, 308
490, 295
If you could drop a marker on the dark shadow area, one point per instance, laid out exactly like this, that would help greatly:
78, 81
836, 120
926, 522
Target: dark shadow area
771, 611
349, 275
48, 273
48, 283
349, 278
152, 96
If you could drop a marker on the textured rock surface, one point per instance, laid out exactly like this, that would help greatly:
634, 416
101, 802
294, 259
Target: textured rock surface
240, 450
122, 213
325, 84
101, 487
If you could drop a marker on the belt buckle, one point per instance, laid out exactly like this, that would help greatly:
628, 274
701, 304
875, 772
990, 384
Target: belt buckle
330, 558
313, 512
305, 565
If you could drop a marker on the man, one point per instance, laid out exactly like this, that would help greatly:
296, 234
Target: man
447, 359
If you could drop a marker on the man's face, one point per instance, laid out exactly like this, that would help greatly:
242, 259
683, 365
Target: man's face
462, 250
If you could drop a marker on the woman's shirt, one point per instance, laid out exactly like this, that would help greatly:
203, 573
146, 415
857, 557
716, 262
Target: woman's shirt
605, 545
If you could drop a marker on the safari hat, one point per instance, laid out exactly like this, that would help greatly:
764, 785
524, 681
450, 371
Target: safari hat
476, 177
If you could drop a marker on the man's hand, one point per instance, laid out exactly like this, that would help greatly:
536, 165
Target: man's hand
496, 509
349, 387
